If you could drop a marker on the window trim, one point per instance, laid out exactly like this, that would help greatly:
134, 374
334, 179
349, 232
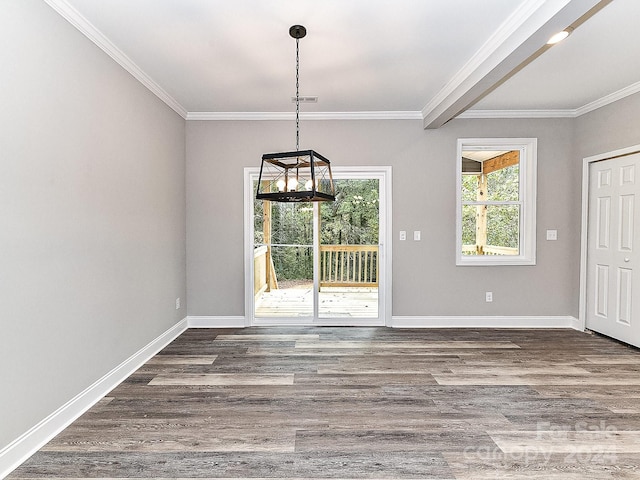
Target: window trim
528, 182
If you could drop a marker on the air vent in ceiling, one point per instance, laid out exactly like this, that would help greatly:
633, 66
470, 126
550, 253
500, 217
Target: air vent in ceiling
305, 99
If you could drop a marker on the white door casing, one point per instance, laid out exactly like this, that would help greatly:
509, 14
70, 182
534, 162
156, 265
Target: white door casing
612, 248
383, 174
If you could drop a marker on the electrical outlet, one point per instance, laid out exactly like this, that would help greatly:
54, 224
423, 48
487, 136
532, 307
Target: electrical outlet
178, 303
488, 296
552, 235
403, 235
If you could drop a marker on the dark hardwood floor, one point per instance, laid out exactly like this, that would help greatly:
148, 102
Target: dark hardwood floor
363, 403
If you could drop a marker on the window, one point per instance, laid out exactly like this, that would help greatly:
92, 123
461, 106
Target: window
496, 199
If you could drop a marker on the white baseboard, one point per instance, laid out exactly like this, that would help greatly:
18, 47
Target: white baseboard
485, 322
415, 322
31, 441
216, 322
577, 324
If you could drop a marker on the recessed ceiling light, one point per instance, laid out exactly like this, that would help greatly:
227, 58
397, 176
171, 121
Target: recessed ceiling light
558, 37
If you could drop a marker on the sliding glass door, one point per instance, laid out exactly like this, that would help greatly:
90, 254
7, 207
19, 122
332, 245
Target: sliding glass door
283, 260
319, 263
349, 248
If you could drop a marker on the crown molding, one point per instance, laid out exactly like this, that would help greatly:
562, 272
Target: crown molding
262, 116
92, 33
241, 116
560, 113
482, 60
608, 99
415, 115
518, 114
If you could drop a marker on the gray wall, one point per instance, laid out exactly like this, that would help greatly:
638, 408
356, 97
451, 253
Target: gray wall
609, 128
92, 212
425, 278
92, 207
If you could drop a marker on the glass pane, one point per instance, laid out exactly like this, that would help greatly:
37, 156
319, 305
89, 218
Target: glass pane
291, 223
349, 230
501, 171
490, 229
291, 293
283, 259
504, 185
503, 227
354, 217
470, 188
469, 229
258, 218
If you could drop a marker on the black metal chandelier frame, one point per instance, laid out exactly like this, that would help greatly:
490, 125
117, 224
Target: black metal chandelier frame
301, 175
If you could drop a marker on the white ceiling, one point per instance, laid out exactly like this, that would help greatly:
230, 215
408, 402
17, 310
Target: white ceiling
404, 58
598, 59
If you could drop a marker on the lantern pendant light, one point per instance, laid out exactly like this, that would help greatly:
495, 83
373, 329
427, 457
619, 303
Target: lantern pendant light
301, 175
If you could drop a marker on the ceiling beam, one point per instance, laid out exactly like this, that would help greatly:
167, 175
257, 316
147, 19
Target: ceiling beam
521, 38
501, 161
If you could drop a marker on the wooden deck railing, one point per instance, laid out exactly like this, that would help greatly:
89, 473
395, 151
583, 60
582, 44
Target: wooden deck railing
264, 275
489, 250
259, 270
340, 266
348, 265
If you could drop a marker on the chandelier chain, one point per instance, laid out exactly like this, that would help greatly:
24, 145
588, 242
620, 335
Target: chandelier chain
297, 95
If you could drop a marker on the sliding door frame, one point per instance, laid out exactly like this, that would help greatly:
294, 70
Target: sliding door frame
385, 238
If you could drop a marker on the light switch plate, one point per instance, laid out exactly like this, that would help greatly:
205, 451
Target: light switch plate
552, 235
416, 235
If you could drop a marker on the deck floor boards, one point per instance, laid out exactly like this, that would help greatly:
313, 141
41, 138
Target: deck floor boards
363, 403
333, 302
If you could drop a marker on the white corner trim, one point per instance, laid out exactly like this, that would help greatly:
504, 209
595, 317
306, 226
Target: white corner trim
216, 322
560, 113
608, 99
518, 114
85, 27
277, 116
240, 116
485, 322
371, 115
31, 441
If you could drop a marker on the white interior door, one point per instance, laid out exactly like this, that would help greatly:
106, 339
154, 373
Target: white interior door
612, 249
